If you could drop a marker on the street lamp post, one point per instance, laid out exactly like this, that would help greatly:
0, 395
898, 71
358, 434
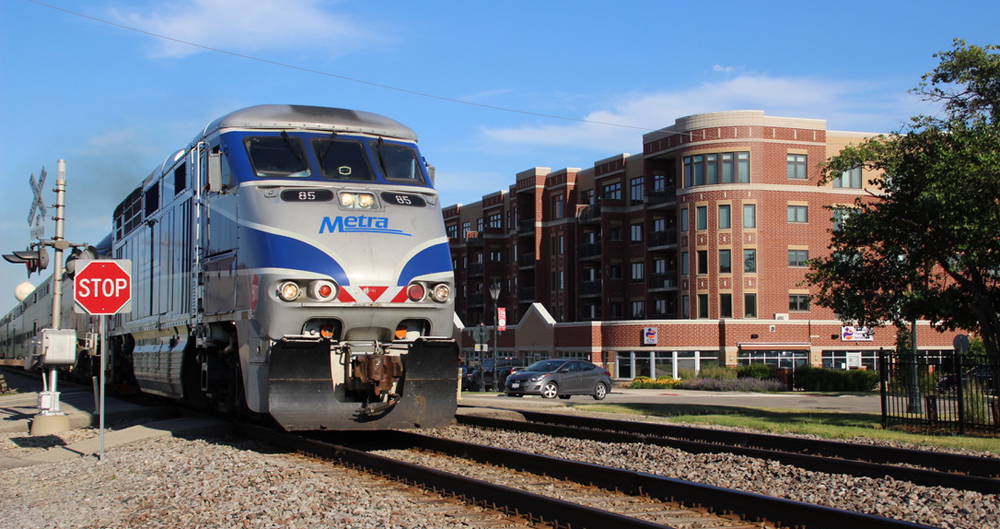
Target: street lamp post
495, 293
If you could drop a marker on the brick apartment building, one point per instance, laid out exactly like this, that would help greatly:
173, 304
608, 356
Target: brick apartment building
692, 252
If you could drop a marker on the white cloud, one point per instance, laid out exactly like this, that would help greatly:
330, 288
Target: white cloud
845, 105
241, 26
720, 68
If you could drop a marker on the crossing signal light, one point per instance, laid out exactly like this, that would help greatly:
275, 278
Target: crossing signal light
35, 260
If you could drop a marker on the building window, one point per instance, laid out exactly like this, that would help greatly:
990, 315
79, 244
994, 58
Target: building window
636, 190
466, 228
557, 207
703, 305
749, 215
798, 214
684, 219
849, 178
725, 217
684, 264
638, 309
702, 262
750, 260
637, 269
797, 166
721, 168
798, 302
798, 258
725, 305
685, 306
612, 191
702, 218
636, 233
495, 256
615, 234
659, 183
587, 197
494, 221
749, 305
452, 231
725, 261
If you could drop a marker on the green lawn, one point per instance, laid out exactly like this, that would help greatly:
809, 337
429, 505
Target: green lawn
830, 425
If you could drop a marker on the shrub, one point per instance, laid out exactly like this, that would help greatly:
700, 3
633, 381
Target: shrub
758, 371
817, 379
717, 372
745, 384
659, 383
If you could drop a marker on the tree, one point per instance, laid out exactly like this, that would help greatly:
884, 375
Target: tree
926, 243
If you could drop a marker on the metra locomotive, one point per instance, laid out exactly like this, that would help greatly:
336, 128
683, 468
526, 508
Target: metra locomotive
292, 262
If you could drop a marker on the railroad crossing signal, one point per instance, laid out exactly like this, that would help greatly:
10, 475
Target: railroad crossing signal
35, 260
37, 203
103, 287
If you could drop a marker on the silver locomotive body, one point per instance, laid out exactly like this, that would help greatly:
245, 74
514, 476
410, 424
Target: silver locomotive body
292, 262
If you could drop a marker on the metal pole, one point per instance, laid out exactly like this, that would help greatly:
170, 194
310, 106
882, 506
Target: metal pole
57, 273
915, 405
104, 363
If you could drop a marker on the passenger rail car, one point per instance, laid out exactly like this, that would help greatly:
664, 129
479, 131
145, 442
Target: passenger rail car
292, 262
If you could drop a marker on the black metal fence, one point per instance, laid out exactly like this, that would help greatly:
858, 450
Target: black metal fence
943, 394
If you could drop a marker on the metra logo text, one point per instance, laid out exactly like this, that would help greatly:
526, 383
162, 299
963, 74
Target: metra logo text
358, 224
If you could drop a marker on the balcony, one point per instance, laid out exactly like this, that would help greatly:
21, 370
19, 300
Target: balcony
663, 281
589, 250
526, 260
474, 300
475, 269
474, 239
526, 295
589, 289
661, 199
526, 227
589, 215
662, 239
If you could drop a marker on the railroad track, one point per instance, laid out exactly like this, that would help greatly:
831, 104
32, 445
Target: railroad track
563, 493
935, 468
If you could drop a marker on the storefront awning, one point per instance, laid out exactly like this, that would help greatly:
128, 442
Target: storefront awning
774, 346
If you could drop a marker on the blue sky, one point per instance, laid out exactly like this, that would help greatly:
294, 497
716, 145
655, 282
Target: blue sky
491, 88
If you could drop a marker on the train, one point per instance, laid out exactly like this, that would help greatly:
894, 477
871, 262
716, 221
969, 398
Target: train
289, 264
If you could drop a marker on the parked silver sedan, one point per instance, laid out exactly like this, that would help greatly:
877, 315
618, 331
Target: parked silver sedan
561, 377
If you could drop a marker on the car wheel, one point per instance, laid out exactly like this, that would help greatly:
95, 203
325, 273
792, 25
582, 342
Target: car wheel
550, 390
600, 391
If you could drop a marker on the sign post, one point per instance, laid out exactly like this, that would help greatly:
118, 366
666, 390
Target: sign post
103, 288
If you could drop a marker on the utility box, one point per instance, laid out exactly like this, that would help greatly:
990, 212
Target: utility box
58, 347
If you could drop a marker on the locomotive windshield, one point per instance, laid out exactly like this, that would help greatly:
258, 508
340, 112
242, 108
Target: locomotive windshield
399, 162
277, 156
342, 160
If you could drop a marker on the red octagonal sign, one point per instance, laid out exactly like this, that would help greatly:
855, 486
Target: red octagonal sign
103, 287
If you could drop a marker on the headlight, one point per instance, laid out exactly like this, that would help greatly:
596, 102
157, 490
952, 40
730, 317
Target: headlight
352, 200
323, 290
536, 378
441, 292
288, 291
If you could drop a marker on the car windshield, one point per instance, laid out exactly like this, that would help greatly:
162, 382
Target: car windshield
399, 163
277, 156
342, 159
546, 366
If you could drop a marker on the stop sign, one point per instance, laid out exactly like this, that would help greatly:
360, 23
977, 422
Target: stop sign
103, 287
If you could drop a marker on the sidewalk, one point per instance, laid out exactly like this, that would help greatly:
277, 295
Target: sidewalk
792, 401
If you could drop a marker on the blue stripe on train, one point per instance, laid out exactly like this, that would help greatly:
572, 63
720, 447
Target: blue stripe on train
431, 260
278, 251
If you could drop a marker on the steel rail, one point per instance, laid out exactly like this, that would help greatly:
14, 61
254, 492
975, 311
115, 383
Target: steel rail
538, 507
752, 506
945, 462
830, 465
